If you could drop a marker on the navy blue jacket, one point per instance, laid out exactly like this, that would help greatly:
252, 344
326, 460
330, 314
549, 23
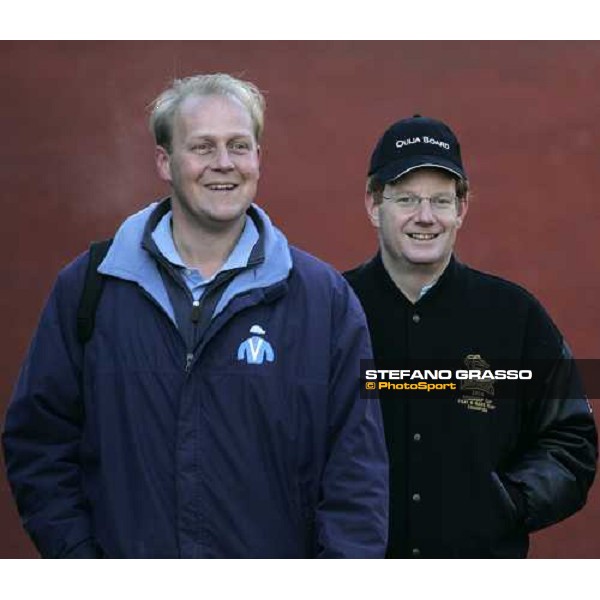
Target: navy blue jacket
136, 447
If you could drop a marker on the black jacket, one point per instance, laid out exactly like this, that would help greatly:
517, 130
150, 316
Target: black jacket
474, 483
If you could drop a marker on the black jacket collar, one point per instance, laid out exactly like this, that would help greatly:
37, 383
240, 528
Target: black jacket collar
378, 269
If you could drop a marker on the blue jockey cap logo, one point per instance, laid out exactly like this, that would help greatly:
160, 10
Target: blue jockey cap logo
255, 350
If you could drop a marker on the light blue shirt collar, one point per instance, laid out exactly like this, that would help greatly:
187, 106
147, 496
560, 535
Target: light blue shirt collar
163, 238
426, 288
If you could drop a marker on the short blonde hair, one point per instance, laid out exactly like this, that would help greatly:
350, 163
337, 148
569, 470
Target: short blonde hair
165, 107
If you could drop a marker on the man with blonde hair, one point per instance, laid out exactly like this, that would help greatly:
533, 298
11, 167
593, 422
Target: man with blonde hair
207, 405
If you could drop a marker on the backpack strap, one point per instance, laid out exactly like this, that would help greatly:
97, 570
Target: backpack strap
92, 290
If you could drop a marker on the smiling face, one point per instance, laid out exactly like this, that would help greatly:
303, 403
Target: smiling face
421, 238
213, 166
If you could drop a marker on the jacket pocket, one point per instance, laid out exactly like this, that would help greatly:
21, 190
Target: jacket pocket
509, 539
506, 507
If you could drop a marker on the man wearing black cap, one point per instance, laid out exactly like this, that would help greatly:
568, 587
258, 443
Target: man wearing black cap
471, 473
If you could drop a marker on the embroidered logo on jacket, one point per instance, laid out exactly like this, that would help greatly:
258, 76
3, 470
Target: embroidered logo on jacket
255, 350
476, 389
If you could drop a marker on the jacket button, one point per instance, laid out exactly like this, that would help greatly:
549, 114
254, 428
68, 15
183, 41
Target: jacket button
417, 437
416, 552
416, 318
416, 497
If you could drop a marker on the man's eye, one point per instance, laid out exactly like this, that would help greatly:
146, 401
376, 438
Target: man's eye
405, 200
240, 146
201, 148
442, 201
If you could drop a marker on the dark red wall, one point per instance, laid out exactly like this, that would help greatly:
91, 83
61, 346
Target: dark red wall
77, 158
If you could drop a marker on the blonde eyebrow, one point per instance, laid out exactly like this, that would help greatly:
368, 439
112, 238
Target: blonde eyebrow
212, 136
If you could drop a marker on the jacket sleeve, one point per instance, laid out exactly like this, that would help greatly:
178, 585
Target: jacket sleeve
352, 515
42, 433
550, 479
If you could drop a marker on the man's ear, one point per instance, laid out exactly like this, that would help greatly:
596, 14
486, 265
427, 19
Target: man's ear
163, 163
463, 207
372, 209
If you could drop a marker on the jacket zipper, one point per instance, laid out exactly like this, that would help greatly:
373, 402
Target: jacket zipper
189, 359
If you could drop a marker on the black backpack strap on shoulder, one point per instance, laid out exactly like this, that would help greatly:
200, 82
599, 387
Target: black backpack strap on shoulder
92, 290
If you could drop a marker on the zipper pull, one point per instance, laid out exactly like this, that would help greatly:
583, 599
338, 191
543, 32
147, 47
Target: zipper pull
188, 362
195, 311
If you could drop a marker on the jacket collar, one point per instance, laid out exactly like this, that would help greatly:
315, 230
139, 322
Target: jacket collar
443, 281
130, 259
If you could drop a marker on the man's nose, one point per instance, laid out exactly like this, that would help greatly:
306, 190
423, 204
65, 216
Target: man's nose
424, 212
222, 161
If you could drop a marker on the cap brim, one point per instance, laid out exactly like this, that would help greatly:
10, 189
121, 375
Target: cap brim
403, 166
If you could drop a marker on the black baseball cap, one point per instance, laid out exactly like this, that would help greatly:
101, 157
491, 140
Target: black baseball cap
414, 143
